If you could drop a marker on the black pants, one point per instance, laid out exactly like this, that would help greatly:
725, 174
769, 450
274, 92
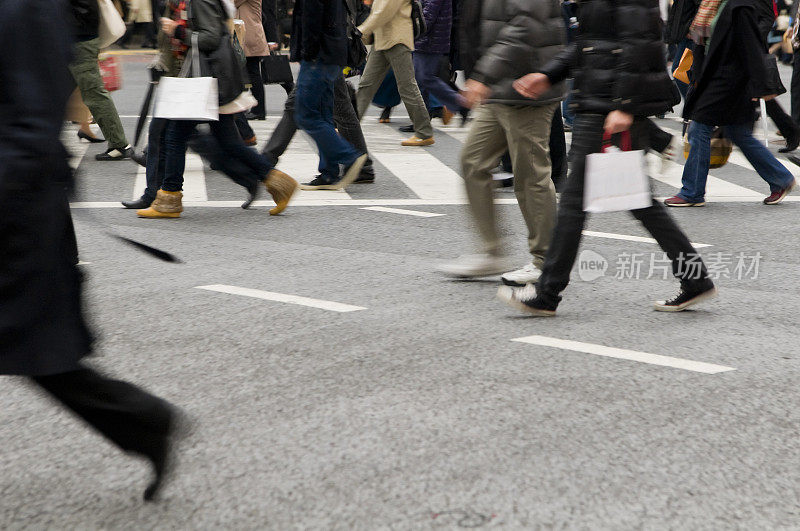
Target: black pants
783, 121
156, 157
254, 72
344, 116
587, 137
659, 139
128, 416
795, 88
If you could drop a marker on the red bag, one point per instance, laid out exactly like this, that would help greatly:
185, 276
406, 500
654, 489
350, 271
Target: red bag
111, 73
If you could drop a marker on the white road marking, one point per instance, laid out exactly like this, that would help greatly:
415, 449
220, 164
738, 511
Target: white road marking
715, 188
141, 182
624, 354
81, 262
613, 236
282, 297
402, 211
194, 179
424, 174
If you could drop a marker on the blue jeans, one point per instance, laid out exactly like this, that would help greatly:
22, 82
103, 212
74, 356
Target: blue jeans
156, 157
314, 115
676, 60
695, 172
426, 70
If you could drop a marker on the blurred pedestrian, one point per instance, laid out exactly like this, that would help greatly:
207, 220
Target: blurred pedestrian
255, 49
85, 15
43, 334
319, 43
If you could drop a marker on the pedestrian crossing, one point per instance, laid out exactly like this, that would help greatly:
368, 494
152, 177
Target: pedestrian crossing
404, 175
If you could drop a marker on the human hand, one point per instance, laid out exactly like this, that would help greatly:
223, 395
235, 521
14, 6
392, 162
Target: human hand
475, 93
168, 26
617, 122
532, 85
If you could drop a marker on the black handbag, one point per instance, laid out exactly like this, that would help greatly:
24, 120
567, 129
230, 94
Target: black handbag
275, 69
356, 51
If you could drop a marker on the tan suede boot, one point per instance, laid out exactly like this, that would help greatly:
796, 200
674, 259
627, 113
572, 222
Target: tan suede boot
165, 205
281, 187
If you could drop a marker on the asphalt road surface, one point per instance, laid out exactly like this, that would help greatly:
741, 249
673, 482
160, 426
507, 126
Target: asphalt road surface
339, 382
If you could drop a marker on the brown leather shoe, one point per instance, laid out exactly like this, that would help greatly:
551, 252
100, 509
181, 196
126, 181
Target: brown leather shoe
416, 141
446, 116
251, 141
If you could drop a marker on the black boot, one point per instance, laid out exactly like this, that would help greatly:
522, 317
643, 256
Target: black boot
138, 204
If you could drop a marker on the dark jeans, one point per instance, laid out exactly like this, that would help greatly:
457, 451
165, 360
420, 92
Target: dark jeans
566, 111
314, 106
587, 137
156, 157
344, 116
224, 131
128, 416
243, 126
254, 72
426, 69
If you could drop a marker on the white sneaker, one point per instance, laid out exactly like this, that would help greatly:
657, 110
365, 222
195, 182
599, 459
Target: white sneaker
475, 265
528, 274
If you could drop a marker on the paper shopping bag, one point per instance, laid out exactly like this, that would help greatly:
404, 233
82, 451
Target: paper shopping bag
110, 72
616, 180
187, 98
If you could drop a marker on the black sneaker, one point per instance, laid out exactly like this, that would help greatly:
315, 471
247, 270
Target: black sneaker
525, 300
685, 298
406, 129
116, 154
320, 184
366, 177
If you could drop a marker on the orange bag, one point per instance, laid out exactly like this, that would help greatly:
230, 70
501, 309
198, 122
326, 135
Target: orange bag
682, 72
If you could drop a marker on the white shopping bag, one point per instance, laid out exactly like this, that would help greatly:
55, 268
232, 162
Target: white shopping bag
616, 180
111, 27
188, 98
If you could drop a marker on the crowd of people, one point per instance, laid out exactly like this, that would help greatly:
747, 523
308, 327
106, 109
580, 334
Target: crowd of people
532, 68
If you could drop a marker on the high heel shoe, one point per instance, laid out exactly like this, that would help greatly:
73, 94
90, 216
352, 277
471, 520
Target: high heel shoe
92, 139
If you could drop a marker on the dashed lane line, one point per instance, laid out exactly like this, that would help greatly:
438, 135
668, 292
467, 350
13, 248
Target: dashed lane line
624, 354
626, 237
402, 211
282, 297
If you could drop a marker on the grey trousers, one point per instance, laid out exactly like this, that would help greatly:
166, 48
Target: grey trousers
399, 59
525, 131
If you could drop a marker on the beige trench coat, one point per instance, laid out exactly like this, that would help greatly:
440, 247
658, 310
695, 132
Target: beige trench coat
390, 23
255, 43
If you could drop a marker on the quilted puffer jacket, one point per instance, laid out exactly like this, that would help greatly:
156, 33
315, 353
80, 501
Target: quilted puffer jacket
502, 40
439, 20
618, 59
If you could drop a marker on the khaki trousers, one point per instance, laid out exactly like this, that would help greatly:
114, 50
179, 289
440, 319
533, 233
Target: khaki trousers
399, 59
525, 131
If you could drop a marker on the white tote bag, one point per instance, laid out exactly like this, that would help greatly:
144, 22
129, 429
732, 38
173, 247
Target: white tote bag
111, 27
616, 180
188, 98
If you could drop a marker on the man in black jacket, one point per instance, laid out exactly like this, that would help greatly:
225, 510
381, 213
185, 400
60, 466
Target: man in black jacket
620, 77
319, 43
43, 334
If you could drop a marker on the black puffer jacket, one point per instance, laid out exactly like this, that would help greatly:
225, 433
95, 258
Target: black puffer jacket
617, 61
85, 19
502, 40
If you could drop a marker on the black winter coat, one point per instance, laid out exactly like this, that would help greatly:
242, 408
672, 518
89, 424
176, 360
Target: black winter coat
732, 72
617, 60
41, 326
502, 40
319, 31
85, 19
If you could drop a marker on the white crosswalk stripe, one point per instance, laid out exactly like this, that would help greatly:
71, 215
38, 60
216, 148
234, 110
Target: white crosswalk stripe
430, 174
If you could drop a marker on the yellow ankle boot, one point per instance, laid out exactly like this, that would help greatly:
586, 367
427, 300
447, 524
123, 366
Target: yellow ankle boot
281, 187
166, 205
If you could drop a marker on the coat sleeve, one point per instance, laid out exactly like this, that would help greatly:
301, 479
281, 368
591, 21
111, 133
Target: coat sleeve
751, 52
558, 68
383, 11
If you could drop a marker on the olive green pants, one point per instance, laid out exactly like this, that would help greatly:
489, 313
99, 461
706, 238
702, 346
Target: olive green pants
86, 74
524, 131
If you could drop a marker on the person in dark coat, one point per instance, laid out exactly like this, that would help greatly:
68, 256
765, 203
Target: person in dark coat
43, 334
430, 50
681, 14
617, 62
732, 73
319, 43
